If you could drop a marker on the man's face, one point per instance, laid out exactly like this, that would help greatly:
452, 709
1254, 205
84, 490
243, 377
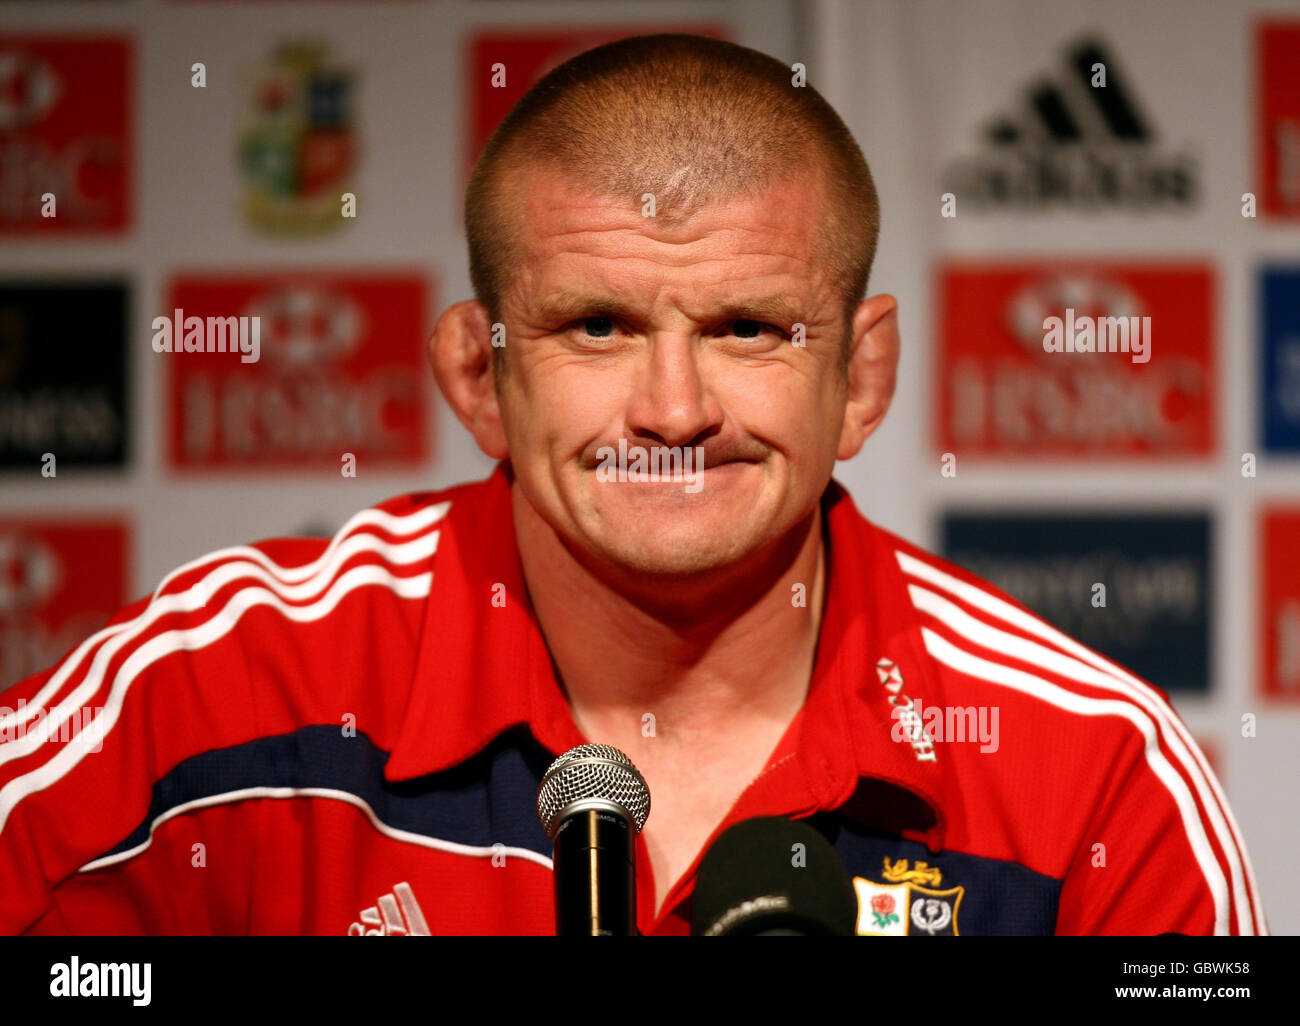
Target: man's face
621, 328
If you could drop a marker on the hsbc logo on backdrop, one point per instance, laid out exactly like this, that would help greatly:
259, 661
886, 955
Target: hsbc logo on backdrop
308, 326
1000, 395
1279, 610
505, 65
29, 571
28, 89
44, 609
1067, 143
65, 129
1278, 122
342, 371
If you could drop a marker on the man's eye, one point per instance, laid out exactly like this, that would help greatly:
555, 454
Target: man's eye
748, 329
598, 327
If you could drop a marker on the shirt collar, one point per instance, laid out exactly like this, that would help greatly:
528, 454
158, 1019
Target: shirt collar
483, 665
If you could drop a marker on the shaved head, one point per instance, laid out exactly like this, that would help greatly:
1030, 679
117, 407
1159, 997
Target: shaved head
692, 121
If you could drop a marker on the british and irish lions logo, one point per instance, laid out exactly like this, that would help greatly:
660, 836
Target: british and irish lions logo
907, 901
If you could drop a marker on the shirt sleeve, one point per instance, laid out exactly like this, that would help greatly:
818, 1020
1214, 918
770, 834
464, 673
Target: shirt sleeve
79, 756
1162, 853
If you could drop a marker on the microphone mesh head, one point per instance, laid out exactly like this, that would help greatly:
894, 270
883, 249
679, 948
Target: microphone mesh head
592, 771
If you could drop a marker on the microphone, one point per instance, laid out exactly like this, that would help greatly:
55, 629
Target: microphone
755, 882
592, 804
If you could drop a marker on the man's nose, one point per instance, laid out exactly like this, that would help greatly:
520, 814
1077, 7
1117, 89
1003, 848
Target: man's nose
671, 400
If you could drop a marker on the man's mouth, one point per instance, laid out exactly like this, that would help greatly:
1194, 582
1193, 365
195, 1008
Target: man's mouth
683, 466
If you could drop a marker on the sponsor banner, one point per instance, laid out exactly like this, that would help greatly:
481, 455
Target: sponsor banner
1280, 362
505, 64
1076, 139
1277, 128
1143, 388
299, 150
62, 375
1279, 619
65, 134
60, 581
1133, 586
336, 366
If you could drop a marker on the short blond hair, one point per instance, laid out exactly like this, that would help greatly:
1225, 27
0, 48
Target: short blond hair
692, 120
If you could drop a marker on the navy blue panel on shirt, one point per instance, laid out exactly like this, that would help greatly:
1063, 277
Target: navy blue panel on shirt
998, 898
489, 799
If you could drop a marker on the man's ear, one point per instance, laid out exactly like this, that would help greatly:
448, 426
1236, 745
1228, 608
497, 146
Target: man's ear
460, 350
873, 369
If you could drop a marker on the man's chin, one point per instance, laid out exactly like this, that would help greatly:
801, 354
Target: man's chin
667, 564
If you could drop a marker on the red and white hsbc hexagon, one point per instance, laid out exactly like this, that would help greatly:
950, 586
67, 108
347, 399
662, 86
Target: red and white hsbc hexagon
65, 132
503, 65
60, 581
339, 368
1000, 392
1279, 613
1277, 126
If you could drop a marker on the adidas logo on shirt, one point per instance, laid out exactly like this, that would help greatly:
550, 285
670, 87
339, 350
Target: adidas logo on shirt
395, 915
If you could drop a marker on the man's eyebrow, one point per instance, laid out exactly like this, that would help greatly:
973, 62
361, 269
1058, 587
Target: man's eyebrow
779, 310
567, 305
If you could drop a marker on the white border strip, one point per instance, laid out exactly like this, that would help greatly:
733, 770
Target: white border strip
435, 843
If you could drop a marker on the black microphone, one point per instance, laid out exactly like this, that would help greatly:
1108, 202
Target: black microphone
592, 804
771, 877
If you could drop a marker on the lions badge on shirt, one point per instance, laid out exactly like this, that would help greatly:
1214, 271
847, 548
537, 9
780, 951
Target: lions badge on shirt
909, 902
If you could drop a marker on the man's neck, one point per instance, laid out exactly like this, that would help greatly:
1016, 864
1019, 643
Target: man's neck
722, 657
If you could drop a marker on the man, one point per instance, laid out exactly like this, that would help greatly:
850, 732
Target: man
669, 244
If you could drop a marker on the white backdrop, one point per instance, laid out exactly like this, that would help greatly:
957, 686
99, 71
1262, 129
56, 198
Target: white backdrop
916, 81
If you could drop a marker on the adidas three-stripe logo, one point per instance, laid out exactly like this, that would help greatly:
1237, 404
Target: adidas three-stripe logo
394, 915
1077, 139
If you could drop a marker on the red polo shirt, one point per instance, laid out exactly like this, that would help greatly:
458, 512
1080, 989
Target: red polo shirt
347, 737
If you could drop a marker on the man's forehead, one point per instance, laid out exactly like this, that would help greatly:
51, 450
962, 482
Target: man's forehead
749, 257
554, 207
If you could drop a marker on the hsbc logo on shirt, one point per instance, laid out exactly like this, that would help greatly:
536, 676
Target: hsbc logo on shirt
65, 130
999, 394
341, 372
904, 712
